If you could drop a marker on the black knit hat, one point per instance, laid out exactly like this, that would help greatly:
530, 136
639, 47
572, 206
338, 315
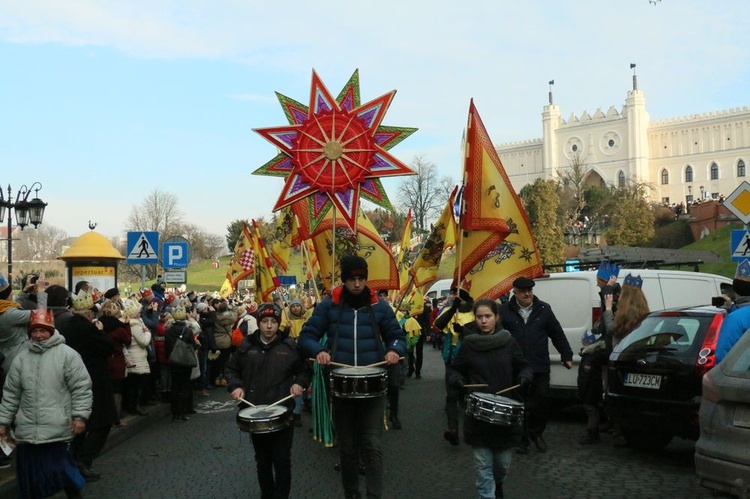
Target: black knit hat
353, 266
111, 293
268, 310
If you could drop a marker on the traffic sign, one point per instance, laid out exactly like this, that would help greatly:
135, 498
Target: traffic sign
175, 254
738, 202
740, 245
175, 276
142, 247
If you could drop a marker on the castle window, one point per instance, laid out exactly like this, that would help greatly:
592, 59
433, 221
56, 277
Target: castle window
664, 177
574, 148
740, 168
688, 173
714, 171
621, 179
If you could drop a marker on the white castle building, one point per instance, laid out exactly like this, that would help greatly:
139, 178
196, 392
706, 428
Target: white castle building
684, 159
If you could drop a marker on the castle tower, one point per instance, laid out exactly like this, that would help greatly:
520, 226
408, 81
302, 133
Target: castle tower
550, 123
637, 128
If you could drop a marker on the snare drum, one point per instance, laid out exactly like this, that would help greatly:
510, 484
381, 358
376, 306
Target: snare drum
494, 409
359, 382
264, 419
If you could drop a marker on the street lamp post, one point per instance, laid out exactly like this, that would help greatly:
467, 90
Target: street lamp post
27, 212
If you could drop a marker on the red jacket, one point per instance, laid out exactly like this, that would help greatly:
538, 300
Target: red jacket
160, 345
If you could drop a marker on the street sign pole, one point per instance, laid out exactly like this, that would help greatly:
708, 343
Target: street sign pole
143, 276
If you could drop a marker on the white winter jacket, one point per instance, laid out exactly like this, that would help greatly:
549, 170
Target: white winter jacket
137, 348
47, 386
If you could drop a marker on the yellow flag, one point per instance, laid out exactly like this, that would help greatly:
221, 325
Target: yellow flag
382, 272
286, 229
242, 264
266, 281
402, 260
226, 289
497, 244
442, 236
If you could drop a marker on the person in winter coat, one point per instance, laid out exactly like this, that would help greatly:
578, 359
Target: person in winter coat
85, 335
150, 317
58, 301
493, 358
266, 368
454, 321
47, 399
225, 319
14, 321
362, 330
181, 398
533, 323
139, 370
119, 332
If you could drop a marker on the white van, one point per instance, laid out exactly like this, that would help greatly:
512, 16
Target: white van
440, 289
574, 298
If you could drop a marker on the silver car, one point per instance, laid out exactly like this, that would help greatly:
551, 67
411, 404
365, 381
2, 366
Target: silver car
722, 453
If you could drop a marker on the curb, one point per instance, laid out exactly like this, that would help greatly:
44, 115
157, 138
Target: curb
133, 426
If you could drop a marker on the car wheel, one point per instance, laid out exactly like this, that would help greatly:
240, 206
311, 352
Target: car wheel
646, 440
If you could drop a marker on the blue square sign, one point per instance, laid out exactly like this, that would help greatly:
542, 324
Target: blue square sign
142, 247
174, 255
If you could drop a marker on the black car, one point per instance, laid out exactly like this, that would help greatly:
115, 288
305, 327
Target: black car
655, 375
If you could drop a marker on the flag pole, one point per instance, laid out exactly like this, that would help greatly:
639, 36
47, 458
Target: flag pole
460, 241
333, 247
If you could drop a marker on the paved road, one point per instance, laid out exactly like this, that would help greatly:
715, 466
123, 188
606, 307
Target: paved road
209, 457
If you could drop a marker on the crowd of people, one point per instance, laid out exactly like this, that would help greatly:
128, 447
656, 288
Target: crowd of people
84, 363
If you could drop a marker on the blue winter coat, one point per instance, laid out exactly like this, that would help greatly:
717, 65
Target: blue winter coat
734, 326
352, 336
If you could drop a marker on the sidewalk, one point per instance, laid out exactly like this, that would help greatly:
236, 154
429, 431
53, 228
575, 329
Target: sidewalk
132, 425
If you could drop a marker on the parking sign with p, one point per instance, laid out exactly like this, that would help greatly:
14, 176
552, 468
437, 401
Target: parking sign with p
175, 255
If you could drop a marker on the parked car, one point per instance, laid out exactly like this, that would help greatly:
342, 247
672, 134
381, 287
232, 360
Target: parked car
655, 375
574, 297
722, 453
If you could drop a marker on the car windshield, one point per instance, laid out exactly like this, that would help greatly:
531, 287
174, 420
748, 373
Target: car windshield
676, 333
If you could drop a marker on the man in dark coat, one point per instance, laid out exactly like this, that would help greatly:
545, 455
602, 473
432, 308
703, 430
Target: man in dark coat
532, 323
361, 330
95, 347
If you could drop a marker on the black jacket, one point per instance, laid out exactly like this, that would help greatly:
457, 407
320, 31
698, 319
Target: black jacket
266, 372
95, 348
534, 334
496, 360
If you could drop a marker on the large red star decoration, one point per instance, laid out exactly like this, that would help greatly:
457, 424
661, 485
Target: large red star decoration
334, 151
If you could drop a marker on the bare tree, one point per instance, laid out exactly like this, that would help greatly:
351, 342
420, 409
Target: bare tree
40, 244
204, 246
422, 193
573, 183
159, 212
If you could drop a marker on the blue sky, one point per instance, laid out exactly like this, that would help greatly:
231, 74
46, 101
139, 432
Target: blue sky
104, 101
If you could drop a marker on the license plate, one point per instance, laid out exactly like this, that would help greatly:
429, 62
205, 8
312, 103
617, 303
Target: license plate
652, 381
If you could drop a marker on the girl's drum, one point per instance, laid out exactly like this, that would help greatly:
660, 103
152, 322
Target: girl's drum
359, 382
494, 409
264, 419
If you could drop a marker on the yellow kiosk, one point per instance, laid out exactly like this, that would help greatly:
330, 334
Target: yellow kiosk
91, 258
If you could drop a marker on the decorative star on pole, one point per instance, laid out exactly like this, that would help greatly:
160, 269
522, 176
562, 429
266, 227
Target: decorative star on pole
334, 151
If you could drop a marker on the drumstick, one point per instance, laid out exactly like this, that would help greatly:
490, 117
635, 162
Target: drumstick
507, 389
245, 401
381, 363
337, 364
279, 401
477, 385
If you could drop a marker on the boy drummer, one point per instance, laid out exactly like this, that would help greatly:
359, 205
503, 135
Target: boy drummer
266, 368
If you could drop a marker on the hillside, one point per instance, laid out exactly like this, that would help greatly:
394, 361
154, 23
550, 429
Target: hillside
719, 243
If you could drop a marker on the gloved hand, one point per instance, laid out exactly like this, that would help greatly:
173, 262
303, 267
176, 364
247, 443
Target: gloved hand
458, 328
525, 385
456, 303
460, 382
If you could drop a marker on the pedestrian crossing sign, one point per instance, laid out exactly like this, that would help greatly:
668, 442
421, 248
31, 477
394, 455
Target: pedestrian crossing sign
142, 247
740, 246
